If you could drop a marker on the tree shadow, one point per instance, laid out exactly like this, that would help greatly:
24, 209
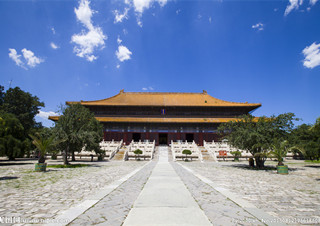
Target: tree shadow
70, 166
312, 166
15, 163
8, 178
266, 168
247, 167
86, 163
19, 160
88, 160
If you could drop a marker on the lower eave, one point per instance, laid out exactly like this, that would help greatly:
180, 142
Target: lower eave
157, 120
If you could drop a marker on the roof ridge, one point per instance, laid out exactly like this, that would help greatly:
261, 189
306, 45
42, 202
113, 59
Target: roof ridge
161, 93
101, 99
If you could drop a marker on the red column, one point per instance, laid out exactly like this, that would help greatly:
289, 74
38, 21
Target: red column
179, 136
125, 137
201, 139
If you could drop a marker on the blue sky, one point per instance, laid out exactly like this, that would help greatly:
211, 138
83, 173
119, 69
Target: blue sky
257, 51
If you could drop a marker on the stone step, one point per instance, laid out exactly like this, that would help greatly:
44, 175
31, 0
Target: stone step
205, 155
119, 155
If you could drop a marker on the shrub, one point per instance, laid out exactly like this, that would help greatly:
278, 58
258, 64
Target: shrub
138, 152
186, 152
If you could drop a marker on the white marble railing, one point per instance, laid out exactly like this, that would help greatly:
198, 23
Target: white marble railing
178, 147
147, 148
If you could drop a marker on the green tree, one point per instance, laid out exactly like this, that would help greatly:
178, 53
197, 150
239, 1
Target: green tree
280, 150
77, 128
236, 154
43, 144
257, 135
12, 141
1, 94
308, 138
315, 129
47, 133
23, 105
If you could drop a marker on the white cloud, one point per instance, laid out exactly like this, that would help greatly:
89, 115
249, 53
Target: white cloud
31, 59
118, 66
123, 53
178, 11
210, 19
125, 32
15, 57
312, 2
293, 5
258, 26
46, 114
139, 22
119, 40
141, 5
54, 46
84, 13
53, 30
87, 42
147, 88
312, 55
120, 17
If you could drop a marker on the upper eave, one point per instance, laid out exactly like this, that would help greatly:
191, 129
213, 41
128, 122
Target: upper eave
164, 100
159, 120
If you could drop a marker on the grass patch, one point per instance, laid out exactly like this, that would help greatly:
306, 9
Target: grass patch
312, 161
68, 166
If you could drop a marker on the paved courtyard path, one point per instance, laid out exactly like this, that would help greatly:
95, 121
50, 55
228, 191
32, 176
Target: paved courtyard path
165, 200
166, 193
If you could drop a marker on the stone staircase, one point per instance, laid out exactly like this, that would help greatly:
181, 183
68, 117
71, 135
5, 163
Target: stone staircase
170, 157
120, 154
205, 155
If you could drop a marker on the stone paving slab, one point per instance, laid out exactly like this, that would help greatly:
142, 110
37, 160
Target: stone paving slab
166, 190
155, 216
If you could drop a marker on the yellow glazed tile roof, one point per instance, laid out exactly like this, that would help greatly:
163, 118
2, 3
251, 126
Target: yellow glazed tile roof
163, 99
158, 120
